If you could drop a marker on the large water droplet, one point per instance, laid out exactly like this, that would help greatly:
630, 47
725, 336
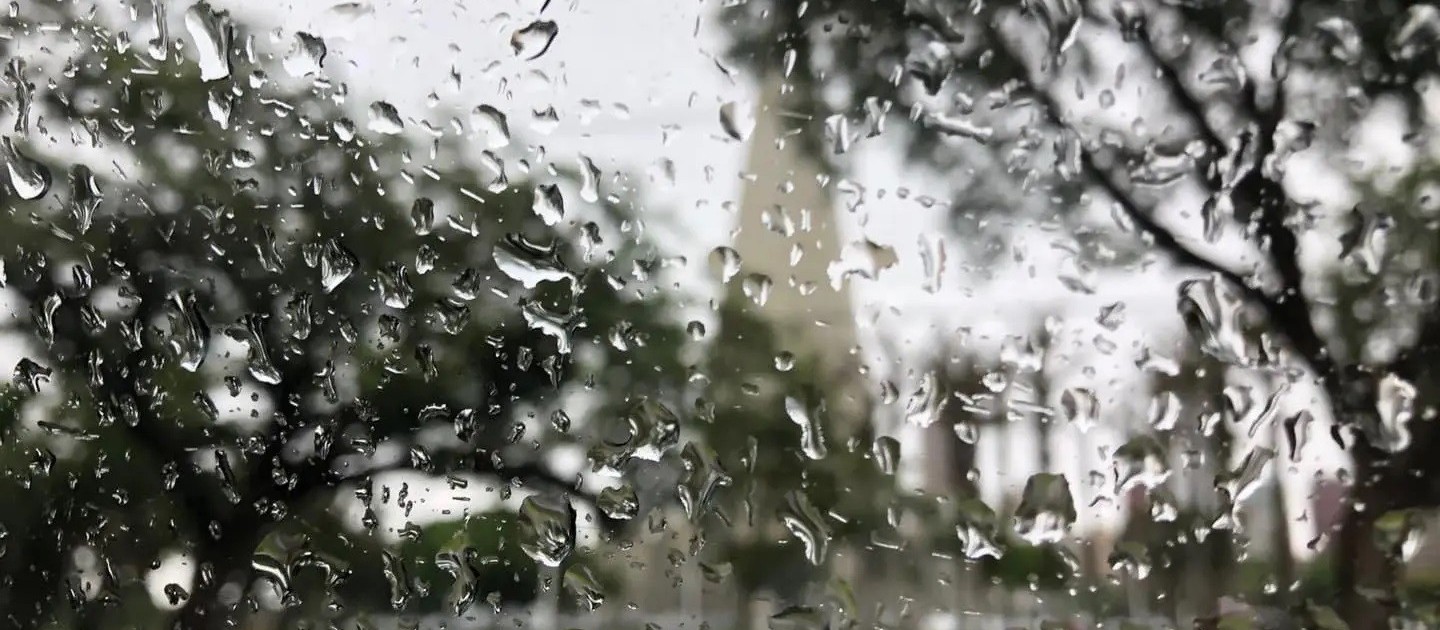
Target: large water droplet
534, 39
589, 180
927, 402
1046, 510
727, 260
618, 502
812, 436
211, 32
959, 126
1394, 408
1080, 407
1140, 462
190, 336
306, 56
337, 262
736, 121
530, 263
492, 125
976, 527
806, 525
864, 259
385, 119
548, 203
28, 177
547, 529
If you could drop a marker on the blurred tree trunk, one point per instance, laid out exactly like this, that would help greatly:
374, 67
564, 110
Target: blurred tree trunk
1280, 532
1365, 572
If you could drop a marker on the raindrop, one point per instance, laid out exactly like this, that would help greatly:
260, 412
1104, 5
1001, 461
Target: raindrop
547, 529
618, 502
886, 452
863, 259
976, 527
1394, 407
337, 263
396, 291
1046, 509
805, 524
756, 286
925, 405
589, 180
1238, 484
306, 56
252, 333
491, 124
959, 126
212, 33
385, 119
29, 375
736, 121
727, 260
28, 177
530, 263
534, 39
1080, 408
582, 583
1140, 462
812, 436
548, 203
190, 337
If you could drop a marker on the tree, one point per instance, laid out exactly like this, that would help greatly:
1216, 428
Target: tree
1026, 107
389, 306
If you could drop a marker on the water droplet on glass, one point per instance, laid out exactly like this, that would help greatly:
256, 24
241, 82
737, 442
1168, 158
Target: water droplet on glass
530, 263
29, 375
1046, 509
1140, 462
886, 452
306, 56
385, 119
863, 259
584, 586
959, 126
727, 260
492, 125
926, 403
976, 527
534, 39
252, 333
547, 529
190, 336
548, 203
618, 502
211, 32
336, 264
1394, 408
1238, 484
1417, 34
28, 177
396, 290
812, 436
806, 525
1080, 407
756, 286
736, 121
589, 180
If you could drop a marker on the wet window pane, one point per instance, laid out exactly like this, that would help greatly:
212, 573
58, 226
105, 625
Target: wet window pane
790, 314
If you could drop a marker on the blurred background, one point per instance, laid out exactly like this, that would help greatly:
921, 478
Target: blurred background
923, 314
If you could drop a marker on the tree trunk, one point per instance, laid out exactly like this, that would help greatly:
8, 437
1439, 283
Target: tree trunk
1365, 573
1283, 559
